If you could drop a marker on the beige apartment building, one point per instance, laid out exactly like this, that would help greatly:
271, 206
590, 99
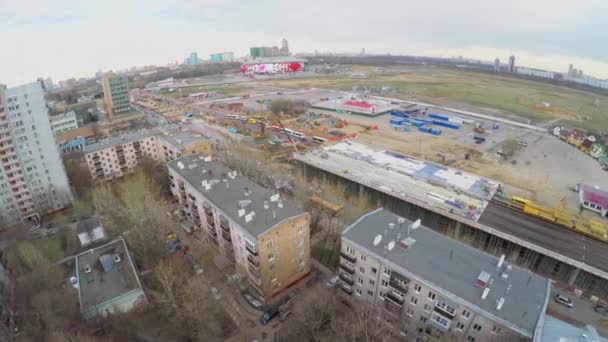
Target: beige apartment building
429, 287
116, 156
266, 238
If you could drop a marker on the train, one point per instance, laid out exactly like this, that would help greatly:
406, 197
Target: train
594, 229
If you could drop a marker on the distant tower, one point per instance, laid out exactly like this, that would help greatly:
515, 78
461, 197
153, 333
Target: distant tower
497, 65
316, 53
284, 47
570, 71
363, 52
512, 64
580, 73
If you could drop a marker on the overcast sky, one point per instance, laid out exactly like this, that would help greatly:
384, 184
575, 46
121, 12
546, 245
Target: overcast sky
74, 38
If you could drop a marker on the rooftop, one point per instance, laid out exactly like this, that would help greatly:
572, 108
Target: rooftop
406, 177
555, 330
105, 273
127, 138
181, 139
283, 59
226, 192
68, 115
452, 268
595, 195
87, 225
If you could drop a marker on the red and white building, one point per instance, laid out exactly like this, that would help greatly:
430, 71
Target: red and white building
360, 107
272, 66
594, 199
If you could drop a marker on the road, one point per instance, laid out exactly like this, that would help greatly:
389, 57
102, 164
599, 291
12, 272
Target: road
581, 314
547, 235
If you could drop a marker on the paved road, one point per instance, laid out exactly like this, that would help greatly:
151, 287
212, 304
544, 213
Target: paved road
547, 235
581, 314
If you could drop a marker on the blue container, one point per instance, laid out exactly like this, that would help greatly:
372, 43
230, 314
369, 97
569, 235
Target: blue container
446, 124
398, 121
439, 116
400, 114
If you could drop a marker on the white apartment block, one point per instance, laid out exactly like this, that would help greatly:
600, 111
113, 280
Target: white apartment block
116, 156
64, 122
33, 180
267, 239
429, 287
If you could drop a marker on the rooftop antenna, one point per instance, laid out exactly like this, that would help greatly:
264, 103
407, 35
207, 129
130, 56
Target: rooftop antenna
501, 302
413, 226
266, 206
485, 293
377, 239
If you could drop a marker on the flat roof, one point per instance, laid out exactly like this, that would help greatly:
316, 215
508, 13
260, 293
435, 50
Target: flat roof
128, 137
404, 177
556, 330
282, 59
181, 139
451, 268
88, 224
107, 279
226, 192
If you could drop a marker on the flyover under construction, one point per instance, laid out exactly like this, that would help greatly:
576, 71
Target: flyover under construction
460, 205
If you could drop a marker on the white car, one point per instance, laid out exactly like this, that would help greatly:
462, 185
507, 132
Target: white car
332, 282
563, 300
74, 282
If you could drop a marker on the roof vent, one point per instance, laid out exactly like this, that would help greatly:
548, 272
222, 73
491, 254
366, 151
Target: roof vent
266, 206
407, 243
391, 245
504, 275
207, 159
501, 261
241, 212
87, 268
509, 267
485, 293
280, 204
248, 218
391, 225
274, 198
501, 302
377, 239
483, 279
117, 258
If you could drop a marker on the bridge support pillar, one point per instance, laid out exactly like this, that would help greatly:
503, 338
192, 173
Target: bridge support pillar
457, 230
361, 190
573, 276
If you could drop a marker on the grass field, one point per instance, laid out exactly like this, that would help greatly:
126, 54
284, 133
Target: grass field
228, 90
487, 93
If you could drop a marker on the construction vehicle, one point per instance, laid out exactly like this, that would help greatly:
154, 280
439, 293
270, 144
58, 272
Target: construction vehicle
261, 133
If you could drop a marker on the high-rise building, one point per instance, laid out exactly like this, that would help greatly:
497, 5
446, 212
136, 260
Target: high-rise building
222, 57
33, 181
512, 64
193, 58
284, 47
497, 64
270, 51
116, 94
265, 237
427, 286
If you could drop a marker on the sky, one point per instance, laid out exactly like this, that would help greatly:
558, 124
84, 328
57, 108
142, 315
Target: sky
76, 38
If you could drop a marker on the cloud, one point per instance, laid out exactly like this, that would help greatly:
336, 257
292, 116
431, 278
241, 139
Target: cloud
64, 38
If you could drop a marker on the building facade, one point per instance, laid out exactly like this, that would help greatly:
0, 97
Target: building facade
266, 238
116, 94
273, 66
64, 122
222, 57
429, 287
176, 144
33, 180
193, 60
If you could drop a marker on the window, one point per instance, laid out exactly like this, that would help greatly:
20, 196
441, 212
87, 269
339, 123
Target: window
350, 250
427, 308
358, 291
360, 281
370, 293
496, 330
459, 326
414, 300
372, 282
470, 339
466, 314
384, 283
387, 272
423, 319
417, 288
410, 312
382, 294
431, 295
374, 270
270, 256
362, 270
476, 327
363, 258
269, 244
403, 331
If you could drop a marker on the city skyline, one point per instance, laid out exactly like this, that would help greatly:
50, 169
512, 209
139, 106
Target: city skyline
72, 39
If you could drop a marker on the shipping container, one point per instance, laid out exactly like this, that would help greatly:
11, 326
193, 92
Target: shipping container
456, 120
445, 124
439, 116
398, 121
400, 114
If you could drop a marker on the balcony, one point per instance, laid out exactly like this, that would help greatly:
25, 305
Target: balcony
226, 236
445, 309
253, 261
210, 222
255, 279
395, 298
347, 268
349, 258
345, 278
252, 250
398, 285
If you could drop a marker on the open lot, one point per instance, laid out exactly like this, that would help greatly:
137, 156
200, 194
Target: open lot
487, 93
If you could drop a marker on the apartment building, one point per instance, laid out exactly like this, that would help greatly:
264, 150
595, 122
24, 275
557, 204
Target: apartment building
116, 156
64, 122
266, 238
116, 94
430, 287
177, 143
33, 180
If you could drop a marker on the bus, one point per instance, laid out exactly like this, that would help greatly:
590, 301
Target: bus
319, 140
288, 131
299, 135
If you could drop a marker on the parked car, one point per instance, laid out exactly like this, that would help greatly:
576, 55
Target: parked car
563, 300
601, 309
268, 316
345, 288
332, 282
